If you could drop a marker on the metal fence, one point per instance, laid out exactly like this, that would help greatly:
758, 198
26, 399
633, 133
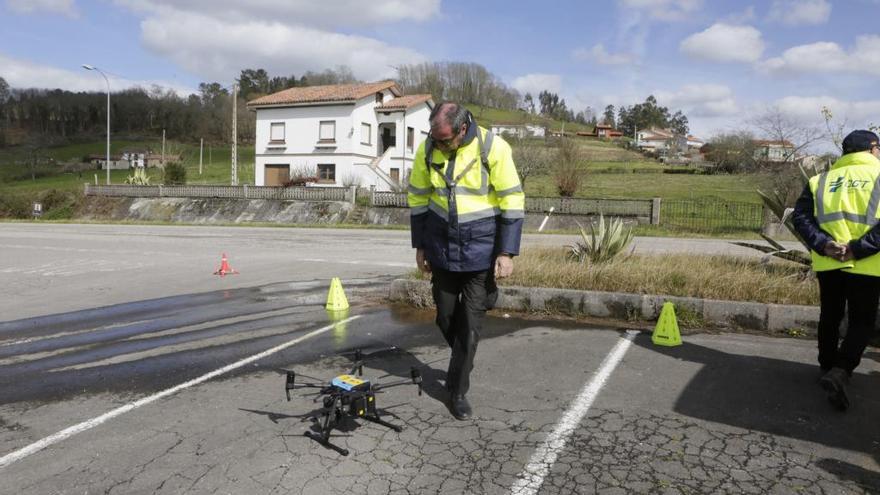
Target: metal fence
711, 215
233, 192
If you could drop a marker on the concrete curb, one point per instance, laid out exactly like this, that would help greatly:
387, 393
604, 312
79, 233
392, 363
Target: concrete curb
691, 312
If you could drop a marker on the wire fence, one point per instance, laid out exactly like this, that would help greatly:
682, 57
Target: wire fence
712, 215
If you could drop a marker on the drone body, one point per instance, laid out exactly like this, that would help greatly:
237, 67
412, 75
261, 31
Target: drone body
347, 396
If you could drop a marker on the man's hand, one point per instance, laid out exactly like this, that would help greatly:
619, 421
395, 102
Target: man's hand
421, 262
838, 251
503, 266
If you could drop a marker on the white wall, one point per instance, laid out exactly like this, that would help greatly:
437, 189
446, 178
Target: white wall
301, 146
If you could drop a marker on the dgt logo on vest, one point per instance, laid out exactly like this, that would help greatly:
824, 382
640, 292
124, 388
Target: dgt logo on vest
849, 184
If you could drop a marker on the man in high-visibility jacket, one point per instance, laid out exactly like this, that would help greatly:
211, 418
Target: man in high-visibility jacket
838, 216
466, 213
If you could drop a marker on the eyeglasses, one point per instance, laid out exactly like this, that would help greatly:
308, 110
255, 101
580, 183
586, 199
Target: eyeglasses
446, 143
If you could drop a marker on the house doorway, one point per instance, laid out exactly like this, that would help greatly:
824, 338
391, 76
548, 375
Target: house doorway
387, 137
277, 175
395, 174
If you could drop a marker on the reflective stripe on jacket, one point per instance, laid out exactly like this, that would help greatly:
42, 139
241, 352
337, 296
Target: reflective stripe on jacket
462, 213
846, 206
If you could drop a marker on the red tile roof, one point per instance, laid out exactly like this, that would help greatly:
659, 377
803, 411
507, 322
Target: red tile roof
768, 142
330, 93
404, 102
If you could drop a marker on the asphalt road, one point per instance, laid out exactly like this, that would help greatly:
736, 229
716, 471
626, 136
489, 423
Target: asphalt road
133, 370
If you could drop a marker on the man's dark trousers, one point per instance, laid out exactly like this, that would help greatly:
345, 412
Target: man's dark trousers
462, 299
839, 291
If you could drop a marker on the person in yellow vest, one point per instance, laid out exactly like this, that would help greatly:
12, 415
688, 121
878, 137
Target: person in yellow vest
466, 213
838, 216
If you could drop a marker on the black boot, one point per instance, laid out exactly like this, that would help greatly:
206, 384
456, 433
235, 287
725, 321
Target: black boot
834, 382
460, 407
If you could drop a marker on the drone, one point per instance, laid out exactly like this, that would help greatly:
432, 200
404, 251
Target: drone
349, 395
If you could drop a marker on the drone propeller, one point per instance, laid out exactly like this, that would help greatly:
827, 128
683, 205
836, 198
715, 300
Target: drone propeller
290, 383
415, 378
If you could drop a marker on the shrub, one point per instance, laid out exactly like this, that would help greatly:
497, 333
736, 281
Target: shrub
175, 174
565, 171
603, 243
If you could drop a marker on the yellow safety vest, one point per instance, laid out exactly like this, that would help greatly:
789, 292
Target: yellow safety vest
846, 203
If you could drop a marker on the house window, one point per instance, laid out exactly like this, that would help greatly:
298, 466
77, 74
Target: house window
276, 132
366, 133
379, 98
277, 174
410, 137
327, 131
327, 173
395, 174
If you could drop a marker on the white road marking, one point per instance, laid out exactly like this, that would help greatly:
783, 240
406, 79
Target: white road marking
87, 425
532, 477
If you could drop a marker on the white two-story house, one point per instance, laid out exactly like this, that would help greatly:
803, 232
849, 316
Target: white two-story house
346, 134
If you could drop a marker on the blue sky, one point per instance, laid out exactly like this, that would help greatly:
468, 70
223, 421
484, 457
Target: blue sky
721, 62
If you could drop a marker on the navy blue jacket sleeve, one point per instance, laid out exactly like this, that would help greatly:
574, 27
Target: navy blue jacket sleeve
867, 245
510, 234
417, 229
805, 222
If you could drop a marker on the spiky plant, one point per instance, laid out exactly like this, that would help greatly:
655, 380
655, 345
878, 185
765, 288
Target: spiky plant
603, 243
138, 178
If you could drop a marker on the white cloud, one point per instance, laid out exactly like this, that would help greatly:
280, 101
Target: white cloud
24, 74
664, 10
310, 13
600, 55
700, 100
827, 57
800, 12
535, 83
217, 50
725, 43
215, 39
63, 7
808, 108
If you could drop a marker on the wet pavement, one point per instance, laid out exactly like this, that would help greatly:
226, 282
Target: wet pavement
720, 414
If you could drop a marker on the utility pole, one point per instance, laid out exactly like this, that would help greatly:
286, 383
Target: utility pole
234, 135
201, 153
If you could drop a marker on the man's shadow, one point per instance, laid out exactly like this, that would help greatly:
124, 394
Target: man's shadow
781, 398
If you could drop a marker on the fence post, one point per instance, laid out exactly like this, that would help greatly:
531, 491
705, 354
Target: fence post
655, 211
86, 191
244, 187
372, 195
160, 190
354, 191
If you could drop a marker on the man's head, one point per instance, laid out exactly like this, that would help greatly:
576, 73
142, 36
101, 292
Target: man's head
861, 141
449, 122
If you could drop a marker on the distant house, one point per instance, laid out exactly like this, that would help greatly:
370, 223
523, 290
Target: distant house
770, 151
660, 141
606, 131
117, 162
136, 158
694, 143
348, 134
519, 130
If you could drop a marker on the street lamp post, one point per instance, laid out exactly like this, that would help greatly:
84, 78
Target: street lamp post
107, 162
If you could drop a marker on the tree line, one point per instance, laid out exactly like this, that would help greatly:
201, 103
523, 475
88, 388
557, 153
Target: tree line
44, 117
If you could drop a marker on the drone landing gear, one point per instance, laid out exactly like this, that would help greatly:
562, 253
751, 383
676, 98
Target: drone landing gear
338, 409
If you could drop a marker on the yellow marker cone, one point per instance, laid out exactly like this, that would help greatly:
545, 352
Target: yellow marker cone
336, 300
666, 332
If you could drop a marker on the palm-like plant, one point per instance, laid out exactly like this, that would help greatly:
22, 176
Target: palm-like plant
603, 243
139, 178
776, 204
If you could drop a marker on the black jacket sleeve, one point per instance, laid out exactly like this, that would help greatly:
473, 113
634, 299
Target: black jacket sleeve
867, 245
806, 225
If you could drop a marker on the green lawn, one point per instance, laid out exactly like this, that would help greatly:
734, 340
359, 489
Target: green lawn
666, 186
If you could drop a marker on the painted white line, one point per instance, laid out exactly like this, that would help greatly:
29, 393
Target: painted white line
87, 425
532, 477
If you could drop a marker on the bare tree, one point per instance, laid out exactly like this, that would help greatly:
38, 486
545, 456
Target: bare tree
779, 127
530, 159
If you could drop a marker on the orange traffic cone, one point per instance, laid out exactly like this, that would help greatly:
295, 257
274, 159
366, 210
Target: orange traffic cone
225, 269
